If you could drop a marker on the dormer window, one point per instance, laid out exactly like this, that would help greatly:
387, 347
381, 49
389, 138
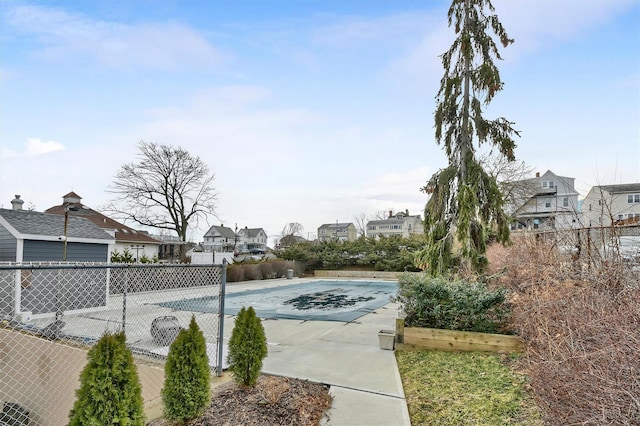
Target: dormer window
548, 184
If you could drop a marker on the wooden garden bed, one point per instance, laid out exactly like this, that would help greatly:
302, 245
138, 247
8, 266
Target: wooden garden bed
450, 340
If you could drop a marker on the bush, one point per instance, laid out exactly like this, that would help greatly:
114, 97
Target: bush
110, 391
266, 269
247, 347
579, 318
252, 272
235, 273
187, 386
452, 305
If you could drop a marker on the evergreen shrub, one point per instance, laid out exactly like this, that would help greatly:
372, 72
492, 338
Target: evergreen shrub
247, 347
436, 302
187, 385
110, 391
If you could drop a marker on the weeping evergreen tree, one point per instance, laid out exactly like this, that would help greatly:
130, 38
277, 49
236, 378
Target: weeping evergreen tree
466, 203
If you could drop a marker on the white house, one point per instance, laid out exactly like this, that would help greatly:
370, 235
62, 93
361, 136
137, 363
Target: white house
219, 239
402, 223
251, 240
552, 203
607, 204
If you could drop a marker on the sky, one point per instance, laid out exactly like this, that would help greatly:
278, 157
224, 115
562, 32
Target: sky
306, 111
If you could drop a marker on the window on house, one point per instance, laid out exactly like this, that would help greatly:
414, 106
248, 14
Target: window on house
565, 202
633, 198
589, 206
548, 184
620, 216
547, 203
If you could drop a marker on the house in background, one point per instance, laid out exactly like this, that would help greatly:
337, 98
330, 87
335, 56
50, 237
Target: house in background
607, 204
402, 223
28, 236
552, 204
138, 243
252, 240
169, 250
337, 232
219, 239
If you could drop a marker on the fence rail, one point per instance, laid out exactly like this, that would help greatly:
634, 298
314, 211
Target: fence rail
50, 314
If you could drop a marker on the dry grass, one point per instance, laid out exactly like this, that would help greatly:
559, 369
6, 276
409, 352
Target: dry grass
464, 388
580, 319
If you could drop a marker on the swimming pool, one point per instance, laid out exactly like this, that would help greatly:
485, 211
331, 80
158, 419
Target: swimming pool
325, 300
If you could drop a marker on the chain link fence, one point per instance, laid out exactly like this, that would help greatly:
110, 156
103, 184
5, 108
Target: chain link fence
595, 245
51, 314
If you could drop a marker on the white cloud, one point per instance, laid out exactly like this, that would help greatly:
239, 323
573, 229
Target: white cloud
167, 46
37, 146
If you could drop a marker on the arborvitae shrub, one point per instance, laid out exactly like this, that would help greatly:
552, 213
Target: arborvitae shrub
187, 385
110, 391
247, 347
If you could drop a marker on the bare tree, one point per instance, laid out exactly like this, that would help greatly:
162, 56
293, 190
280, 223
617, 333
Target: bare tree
289, 233
361, 224
514, 180
167, 188
381, 214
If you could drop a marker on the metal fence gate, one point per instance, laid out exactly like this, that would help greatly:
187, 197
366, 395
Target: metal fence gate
50, 314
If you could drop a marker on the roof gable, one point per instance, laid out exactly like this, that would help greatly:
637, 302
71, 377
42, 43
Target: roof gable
123, 233
220, 231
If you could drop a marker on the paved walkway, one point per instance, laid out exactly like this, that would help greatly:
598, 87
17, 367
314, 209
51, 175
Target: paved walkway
364, 379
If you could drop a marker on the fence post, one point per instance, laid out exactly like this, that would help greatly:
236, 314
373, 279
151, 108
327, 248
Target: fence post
17, 293
124, 300
223, 282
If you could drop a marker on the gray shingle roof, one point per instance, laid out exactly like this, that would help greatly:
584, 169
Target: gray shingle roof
253, 232
335, 225
220, 231
36, 223
623, 187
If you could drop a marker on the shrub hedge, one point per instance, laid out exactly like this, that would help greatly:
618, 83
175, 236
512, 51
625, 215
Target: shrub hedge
436, 302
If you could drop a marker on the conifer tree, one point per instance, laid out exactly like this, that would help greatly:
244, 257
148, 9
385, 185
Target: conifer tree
110, 391
247, 347
466, 203
187, 385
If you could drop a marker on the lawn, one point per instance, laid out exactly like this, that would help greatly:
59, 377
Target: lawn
464, 388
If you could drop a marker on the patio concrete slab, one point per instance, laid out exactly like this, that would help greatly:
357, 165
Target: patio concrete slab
364, 379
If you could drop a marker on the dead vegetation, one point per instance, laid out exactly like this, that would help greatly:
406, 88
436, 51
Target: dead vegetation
580, 319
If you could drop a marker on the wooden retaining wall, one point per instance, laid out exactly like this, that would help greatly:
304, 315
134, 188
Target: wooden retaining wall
451, 340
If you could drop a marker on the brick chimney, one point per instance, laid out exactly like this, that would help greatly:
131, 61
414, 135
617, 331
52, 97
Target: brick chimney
537, 174
17, 203
390, 214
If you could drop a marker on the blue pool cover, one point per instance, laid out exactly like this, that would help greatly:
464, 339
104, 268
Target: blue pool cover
317, 300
